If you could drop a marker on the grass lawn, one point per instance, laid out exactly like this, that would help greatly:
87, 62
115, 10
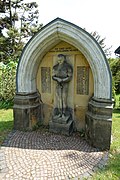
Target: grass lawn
110, 172
6, 123
117, 97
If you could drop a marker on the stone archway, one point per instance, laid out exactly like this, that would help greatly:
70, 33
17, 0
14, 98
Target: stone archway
48, 37
27, 108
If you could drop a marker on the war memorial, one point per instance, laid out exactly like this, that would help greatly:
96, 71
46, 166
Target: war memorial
64, 82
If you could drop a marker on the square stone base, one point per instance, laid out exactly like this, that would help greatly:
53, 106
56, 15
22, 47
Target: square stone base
27, 111
65, 129
98, 131
99, 123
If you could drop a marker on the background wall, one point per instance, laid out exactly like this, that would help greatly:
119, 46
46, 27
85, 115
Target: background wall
81, 86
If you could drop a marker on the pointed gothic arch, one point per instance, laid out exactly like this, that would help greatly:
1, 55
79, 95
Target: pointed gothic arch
50, 35
27, 104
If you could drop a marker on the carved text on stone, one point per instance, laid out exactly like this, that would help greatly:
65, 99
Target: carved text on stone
82, 80
46, 79
63, 49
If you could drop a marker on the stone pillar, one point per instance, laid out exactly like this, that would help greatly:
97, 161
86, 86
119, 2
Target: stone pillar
99, 122
27, 110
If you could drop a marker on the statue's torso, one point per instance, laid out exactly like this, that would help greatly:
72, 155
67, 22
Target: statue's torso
62, 71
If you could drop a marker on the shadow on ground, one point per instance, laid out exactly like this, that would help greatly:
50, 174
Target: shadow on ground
42, 139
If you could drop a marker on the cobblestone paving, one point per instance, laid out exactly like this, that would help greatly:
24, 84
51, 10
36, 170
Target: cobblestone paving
45, 156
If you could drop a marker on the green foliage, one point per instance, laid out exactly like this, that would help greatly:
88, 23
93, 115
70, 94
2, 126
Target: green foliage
115, 147
115, 68
6, 123
112, 170
101, 42
117, 105
7, 83
18, 23
6, 104
40, 126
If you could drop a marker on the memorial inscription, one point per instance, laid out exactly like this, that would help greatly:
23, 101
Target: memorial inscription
64, 49
46, 79
82, 80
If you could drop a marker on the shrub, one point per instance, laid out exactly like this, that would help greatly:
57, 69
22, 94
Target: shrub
7, 82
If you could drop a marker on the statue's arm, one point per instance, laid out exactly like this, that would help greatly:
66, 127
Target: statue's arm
55, 78
63, 80
69, 75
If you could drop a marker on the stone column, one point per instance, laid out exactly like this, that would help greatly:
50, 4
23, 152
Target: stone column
99, 122
27, 110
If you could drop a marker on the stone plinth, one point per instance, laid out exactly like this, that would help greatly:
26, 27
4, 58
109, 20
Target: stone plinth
61, 124
61, 120
99, 122
27, 110
61, 128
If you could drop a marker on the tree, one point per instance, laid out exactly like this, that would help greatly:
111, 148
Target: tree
101, 42
19, 21
115, 68
7, 82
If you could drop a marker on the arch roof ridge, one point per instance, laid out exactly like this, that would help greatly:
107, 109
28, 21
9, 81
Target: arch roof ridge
58, 20
60, 29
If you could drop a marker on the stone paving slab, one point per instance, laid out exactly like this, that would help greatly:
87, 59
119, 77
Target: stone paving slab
41, 155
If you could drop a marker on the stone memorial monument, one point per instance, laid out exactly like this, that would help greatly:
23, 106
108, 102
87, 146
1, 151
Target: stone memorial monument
64, 82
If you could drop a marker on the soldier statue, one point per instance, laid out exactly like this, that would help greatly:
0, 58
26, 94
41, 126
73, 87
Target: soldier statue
62, 74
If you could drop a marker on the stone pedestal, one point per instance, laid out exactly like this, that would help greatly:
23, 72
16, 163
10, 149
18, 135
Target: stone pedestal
99, 122
27, 110
61, 124
61, 128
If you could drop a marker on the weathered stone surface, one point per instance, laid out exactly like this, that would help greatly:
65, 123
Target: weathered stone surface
99, 122
77, 102
27, 110
97, 80
62, 128
56, 31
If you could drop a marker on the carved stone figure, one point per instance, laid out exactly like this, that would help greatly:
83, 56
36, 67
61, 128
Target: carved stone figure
62, 74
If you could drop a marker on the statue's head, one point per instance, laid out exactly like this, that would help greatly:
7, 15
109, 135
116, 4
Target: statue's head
61, 58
